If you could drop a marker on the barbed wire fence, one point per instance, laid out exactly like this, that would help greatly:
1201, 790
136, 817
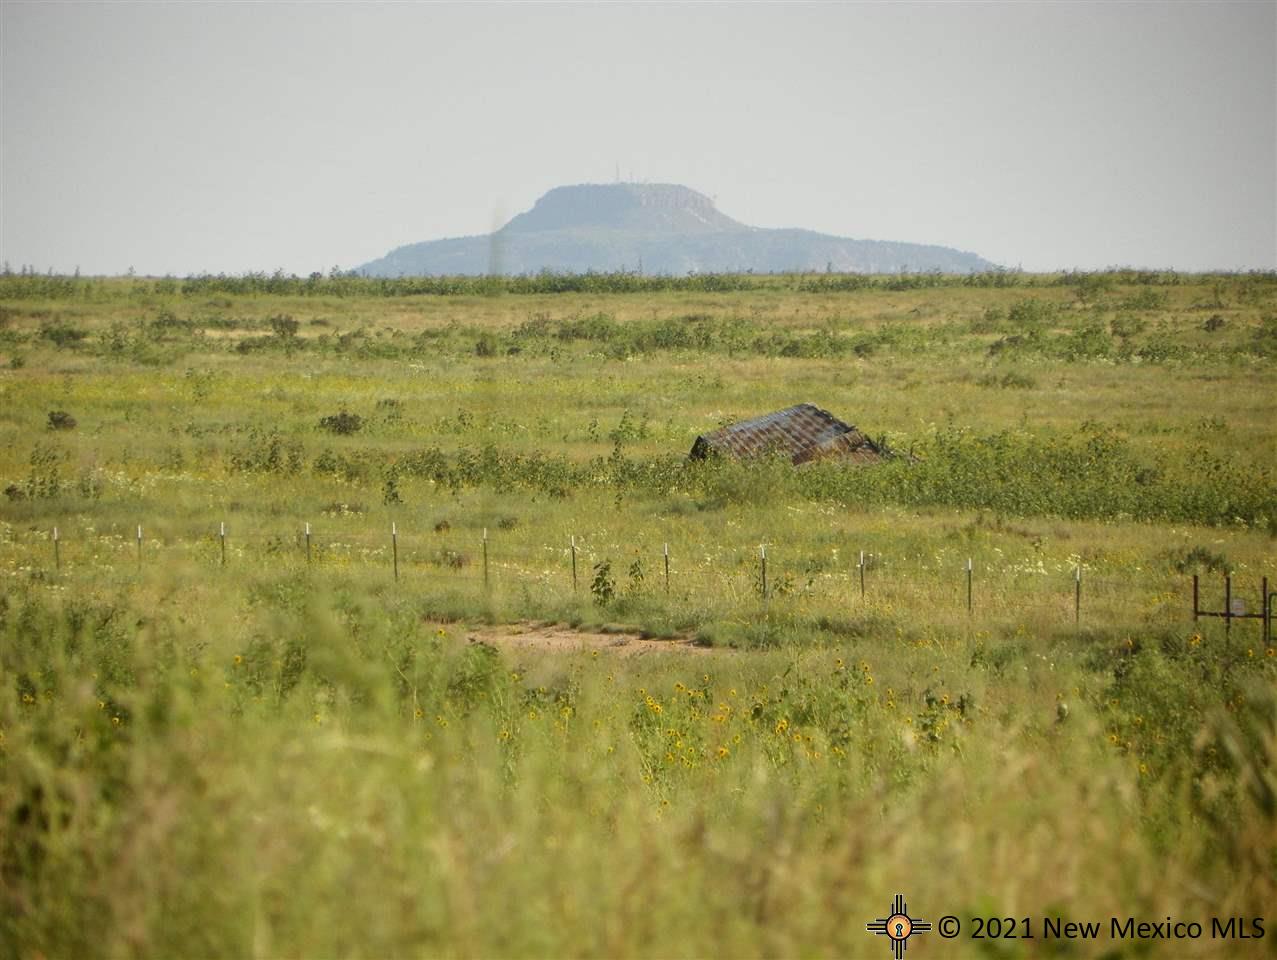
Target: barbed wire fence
733, 576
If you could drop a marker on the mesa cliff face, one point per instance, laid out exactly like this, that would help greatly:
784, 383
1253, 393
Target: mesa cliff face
656, 228
655, 208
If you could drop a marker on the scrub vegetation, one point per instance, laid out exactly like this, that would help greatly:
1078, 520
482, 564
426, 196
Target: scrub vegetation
268, 744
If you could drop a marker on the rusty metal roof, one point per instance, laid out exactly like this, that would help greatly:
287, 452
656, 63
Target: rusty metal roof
804, 433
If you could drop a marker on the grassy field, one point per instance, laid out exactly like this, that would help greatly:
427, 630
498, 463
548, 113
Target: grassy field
268, 746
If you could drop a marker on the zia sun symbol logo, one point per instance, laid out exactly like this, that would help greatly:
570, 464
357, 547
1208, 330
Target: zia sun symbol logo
898, 927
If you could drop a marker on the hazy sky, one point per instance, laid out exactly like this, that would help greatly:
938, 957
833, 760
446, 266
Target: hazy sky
229, 137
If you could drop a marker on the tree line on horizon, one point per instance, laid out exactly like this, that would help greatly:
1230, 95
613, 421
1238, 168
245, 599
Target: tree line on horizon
29, 284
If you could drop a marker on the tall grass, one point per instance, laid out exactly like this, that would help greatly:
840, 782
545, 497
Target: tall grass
281, 768
204, 761
280, 758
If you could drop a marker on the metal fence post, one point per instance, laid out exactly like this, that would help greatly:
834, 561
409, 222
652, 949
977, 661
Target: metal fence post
1268, 607
1266, 610
969, 606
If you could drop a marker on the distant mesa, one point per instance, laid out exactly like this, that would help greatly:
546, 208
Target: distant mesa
655, 228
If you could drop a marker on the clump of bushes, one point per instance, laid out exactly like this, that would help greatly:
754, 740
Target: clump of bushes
332, 464
268, 453
1126, 326
283, 326
62, 335
45, 480
992, 320
1199, 559
1264, 339
1032, 314
342, 424
1145, 299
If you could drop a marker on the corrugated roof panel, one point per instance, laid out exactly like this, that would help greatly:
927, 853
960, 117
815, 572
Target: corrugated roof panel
803, 432
853, 446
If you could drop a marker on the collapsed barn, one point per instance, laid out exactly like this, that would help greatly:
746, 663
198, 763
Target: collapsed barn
803, 433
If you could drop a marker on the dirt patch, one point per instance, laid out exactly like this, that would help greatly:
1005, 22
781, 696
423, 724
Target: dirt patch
561, 638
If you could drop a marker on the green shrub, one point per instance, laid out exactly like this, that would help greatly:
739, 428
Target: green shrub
283, 326
1264, 338
63, 335
1032, 314
1126, 326
268, 451
603, 585
1199, 559
342, 424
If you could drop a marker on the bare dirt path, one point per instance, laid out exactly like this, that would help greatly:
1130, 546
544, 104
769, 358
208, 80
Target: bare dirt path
561, 638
